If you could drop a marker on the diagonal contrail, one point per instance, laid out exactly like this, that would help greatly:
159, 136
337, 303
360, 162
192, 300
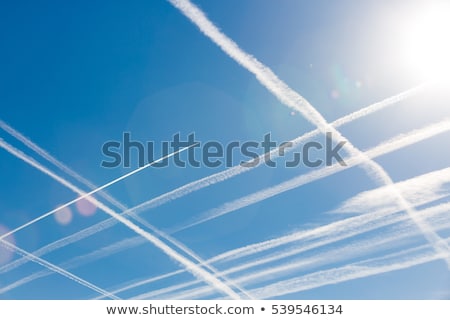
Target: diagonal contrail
437, 216
83, 195
209, 180
391, 262
389, 146
44, 154
294, 100
56, 269
342, 229
307, 240
192, 267
273, 154
64, 168
383, 148
388, 263
78, 261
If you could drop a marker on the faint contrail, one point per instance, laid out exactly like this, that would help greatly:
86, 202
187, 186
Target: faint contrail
383, 148
33, 146
78, 261
334, 231
192, 267
400, 231
64, 168
320, 236
56, 269
139, 283
397, 261
388, 263
420, 190
294, 100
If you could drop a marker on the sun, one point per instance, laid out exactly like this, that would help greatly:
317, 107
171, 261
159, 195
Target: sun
426, 41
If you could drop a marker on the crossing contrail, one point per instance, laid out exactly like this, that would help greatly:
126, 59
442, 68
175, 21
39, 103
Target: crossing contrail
191, 266
383, 148
273, 154
82, 194
307, 240
64, 168
44, 154
294, 100
397, 233
358, 222
56, 269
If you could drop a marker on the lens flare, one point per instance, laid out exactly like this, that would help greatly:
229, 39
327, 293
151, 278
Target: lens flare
85, 207
5, 254
63, 216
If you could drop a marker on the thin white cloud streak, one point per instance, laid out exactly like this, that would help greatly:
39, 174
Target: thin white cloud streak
83, 195
191, 266
99, 190
440, 221
134, 284
392, 262
192, 254
334, 231
388, 263
294, 100
396, 143
419, 190
212, 179
323, 235
355, 223
275, 153
61, 166
79, 261
57, 269
437, 215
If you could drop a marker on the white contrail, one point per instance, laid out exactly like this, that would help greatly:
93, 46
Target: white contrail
82, 194
64, 168
134, 284
191, 266
320, 236
294, 100
273, 154
419, 190
331, 232
43, 153
212, 179
189, 252
323, 236
78, 261
388, 263
331, 256
390, 146
56, 269
383, 148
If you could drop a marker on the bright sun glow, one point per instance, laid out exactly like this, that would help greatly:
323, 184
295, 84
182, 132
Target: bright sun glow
427, 41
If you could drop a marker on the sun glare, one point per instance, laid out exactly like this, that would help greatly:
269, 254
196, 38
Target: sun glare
426, 37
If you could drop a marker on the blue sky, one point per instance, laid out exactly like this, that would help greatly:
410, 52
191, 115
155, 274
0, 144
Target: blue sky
77, 75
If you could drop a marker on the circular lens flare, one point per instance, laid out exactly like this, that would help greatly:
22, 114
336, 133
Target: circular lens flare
63, 216
86, 207
5, 254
